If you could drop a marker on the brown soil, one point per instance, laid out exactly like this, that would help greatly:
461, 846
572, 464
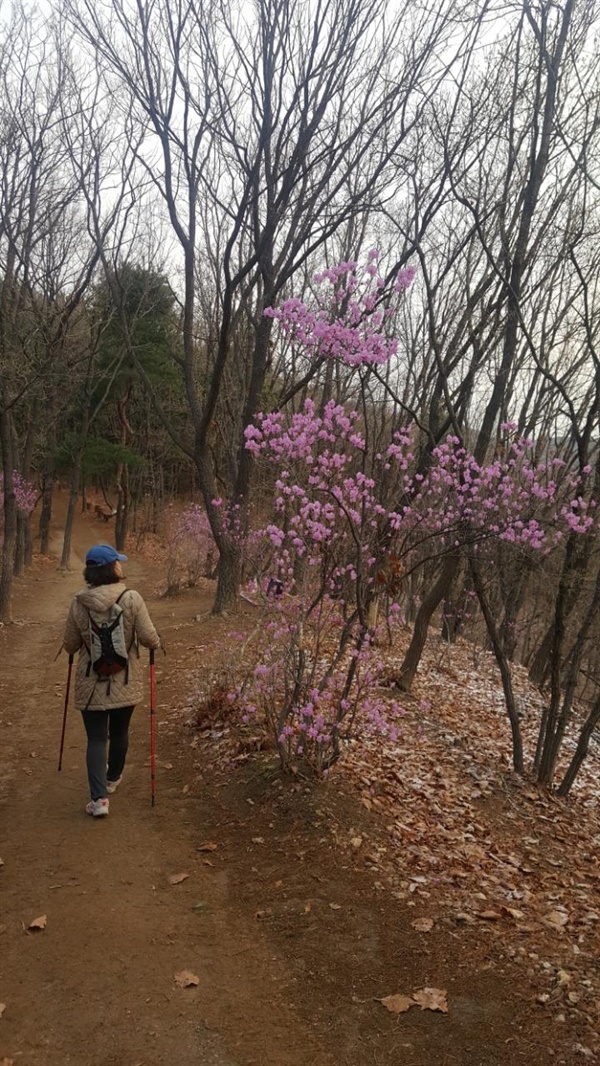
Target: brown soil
292, 941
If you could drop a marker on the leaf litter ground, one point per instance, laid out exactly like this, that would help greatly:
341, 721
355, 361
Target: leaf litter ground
494, 877
421, 870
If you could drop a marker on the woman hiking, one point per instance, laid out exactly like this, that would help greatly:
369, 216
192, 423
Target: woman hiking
106, 624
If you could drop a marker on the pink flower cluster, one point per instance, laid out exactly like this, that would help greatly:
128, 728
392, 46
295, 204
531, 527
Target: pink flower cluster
510, 499
192, 523
325, 498
25, 493
348, 324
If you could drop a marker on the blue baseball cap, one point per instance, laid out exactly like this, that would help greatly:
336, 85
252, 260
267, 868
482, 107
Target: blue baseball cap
101, 554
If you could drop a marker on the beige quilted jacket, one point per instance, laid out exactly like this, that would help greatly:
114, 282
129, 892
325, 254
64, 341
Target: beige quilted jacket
90, 692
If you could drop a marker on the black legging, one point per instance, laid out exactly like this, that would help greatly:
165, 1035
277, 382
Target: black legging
101, 727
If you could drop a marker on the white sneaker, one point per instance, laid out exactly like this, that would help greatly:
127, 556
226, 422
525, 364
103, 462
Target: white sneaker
97, 808
112, 786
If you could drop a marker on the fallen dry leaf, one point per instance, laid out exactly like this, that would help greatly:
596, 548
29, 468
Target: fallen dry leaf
514, 913
186, 979
38, 923
258, 840
558, 919
432, 999
398, 1004
2, 1008
207, 846
423, 925
176, 879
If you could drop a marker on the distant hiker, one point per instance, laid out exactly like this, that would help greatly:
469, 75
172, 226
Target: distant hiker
275, 587
106, 624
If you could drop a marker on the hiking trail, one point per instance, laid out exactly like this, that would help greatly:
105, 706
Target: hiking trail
293, 943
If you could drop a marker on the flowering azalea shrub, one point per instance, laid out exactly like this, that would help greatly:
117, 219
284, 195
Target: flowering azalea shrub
190, 548
314, 684
25, 497
350, 524
333, 534
25, 493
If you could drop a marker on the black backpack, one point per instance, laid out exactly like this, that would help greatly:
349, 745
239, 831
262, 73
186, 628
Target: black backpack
108, 650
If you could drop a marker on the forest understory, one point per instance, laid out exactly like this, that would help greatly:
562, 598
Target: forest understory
420, 869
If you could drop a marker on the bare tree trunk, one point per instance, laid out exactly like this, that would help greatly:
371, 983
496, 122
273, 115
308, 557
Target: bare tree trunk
46, 511
539, 663
65, 562
10, 514
28, 541
581, 750
455, 608
229, 576
123, 509
513, 605
24, 547
564, 675
504, 666
123, 487
429, 605
19, 563
575, 564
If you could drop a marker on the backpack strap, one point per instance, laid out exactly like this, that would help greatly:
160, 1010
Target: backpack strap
132, 641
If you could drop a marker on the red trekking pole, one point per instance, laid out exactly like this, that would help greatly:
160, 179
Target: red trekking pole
64, 725
152, 744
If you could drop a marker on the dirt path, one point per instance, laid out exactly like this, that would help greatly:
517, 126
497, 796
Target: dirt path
96, 987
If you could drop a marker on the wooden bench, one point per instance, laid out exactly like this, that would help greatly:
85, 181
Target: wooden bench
103, 514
